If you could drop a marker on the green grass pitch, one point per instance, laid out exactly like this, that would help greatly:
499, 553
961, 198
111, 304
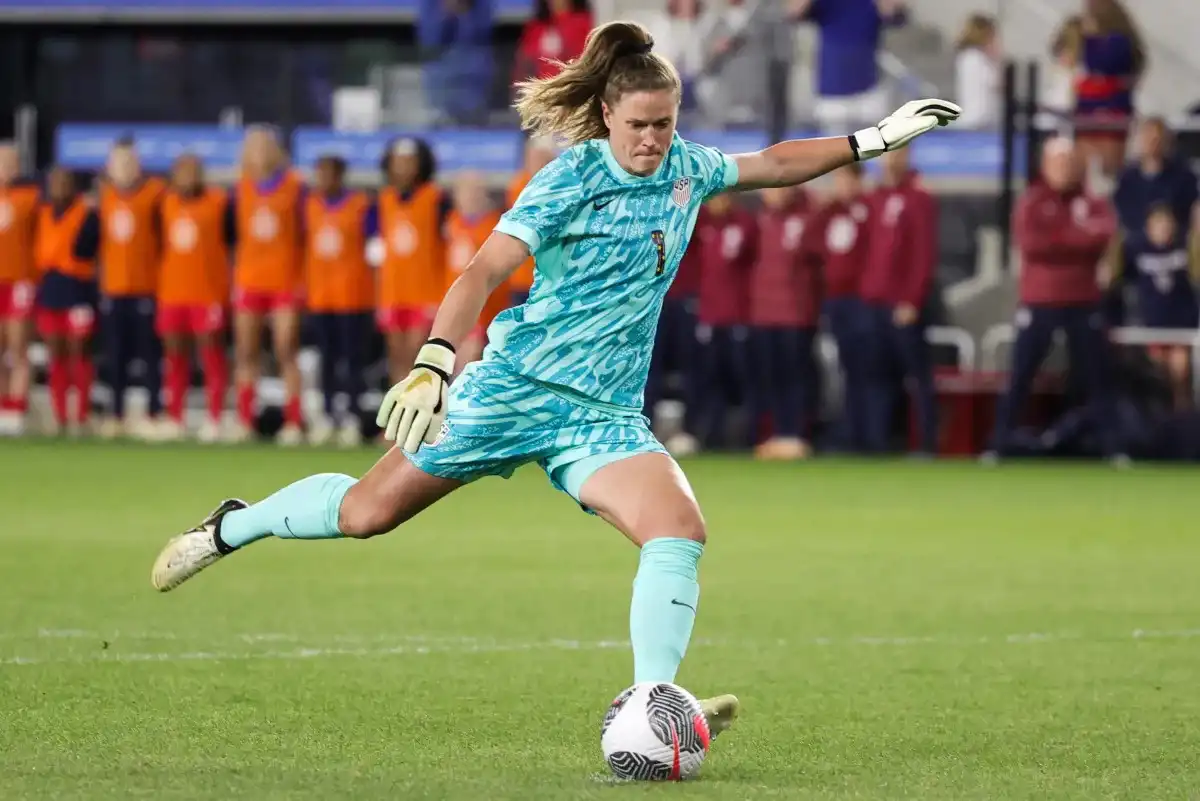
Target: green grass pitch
895, 631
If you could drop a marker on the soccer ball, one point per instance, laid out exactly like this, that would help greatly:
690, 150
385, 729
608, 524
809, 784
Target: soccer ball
654, 731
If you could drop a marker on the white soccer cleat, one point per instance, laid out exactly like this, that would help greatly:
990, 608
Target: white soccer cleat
320, 431
210, 432
110, 428
192, 551
168, 430
290, 436
238, 433
721, 712
350, 434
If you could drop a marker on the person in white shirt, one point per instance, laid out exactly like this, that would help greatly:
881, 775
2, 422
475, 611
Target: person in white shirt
977, 73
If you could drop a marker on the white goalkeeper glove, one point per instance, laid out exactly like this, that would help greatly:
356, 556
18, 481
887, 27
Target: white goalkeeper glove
412, 411
902, 126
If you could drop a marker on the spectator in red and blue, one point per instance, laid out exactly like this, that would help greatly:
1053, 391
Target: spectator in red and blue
839, 240
1112, 60
456, 40
554, 35
849, 91
896, 283
1161, 267
1061, 233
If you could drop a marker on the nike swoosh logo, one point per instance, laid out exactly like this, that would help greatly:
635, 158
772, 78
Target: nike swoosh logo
680, 603
598, 205
289, 528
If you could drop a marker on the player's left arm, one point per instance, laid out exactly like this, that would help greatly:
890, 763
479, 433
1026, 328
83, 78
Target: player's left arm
799, 160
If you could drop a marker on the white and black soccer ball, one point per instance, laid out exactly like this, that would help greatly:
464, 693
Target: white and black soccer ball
654, 731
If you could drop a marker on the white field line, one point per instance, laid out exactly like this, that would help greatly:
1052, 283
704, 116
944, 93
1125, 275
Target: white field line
419, 645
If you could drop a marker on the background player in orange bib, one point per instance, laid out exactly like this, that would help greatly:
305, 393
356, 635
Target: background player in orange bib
340, 292
470, 223
130, 250
267, 277
68, 236
193, 292
18, 220
539, 151
412, 278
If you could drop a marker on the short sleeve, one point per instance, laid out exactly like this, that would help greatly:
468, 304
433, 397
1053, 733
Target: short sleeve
717, 171
545, 205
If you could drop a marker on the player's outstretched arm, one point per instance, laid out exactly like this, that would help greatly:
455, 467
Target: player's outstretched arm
799, 160
413, 410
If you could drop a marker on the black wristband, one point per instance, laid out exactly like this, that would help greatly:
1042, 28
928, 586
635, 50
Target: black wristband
854, 147
443, 343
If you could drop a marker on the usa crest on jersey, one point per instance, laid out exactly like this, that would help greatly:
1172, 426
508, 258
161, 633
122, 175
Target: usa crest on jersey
681, 192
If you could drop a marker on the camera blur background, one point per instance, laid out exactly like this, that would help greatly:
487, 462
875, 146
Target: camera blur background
223, 226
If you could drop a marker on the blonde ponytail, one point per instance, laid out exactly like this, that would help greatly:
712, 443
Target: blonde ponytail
617, 59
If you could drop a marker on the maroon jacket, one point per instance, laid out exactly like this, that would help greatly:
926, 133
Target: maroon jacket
902, 252
838, 239
1061, 238
687, 277
727, 247
785, 286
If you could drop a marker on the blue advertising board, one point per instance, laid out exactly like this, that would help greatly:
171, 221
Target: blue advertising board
218, 10
941, 154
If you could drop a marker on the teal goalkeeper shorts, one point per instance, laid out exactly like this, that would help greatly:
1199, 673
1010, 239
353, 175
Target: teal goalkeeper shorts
499, 420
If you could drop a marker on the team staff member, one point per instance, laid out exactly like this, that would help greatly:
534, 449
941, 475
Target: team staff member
267, 277
18, 222
785, 299
1061, 234
130, 253
839, 240
68, 238
539, 151
901, 257
470, 224
193, 293
412, 277
340, 293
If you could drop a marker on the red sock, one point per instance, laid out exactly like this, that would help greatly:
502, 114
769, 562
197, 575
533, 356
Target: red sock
19, 403
60, 385
8, 404
177, 383
245, 404
82, 373
216, 379
291, 412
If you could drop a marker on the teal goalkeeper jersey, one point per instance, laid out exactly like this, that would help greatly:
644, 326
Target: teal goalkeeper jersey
606, 245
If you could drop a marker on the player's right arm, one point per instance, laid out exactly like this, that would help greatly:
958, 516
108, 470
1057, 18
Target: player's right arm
413, 410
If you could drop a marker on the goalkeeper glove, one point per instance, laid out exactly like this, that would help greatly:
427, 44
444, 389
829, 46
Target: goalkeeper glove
412, 411
902, 126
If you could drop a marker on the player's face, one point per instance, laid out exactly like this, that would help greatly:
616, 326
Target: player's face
10, 165
261, 155
777, 196
187, 175
470, 194
1161, 228
1060, 166
640, 128
123, 168
402, 169
61, 185
847, 184
328, 179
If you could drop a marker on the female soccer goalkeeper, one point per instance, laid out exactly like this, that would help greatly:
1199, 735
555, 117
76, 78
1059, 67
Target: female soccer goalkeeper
561, 380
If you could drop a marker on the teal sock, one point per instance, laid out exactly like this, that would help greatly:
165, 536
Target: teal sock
665, 598
305, 510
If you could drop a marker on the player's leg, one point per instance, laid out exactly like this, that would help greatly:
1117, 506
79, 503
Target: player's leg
52, 328
179, 368
285, 341
647, 498
149, 348
208, 325
914, 354
319, 507
247, 339
82, 369
116, 322
352, 333
1179, 370
1087, 352
322, 325
1035, 335
878, 367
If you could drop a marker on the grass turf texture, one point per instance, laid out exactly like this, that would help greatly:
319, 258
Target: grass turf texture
895, 630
